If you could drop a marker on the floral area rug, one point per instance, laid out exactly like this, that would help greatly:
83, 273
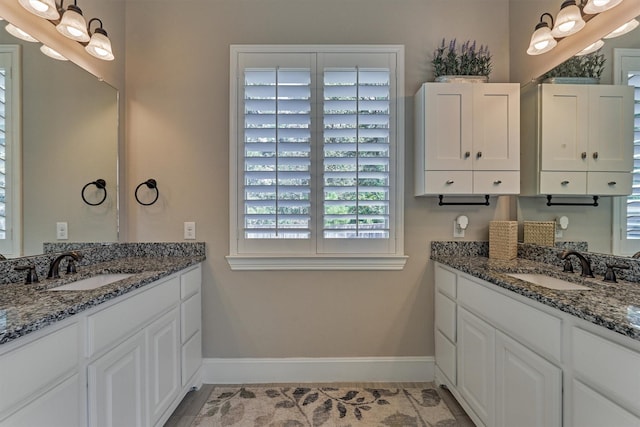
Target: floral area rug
324, 406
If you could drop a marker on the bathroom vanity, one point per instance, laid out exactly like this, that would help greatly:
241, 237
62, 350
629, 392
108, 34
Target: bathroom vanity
125, 353
516, 353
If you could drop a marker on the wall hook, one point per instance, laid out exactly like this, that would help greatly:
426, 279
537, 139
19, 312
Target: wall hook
101, 184
151, 184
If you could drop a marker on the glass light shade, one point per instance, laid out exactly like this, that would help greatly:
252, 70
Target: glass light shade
22, 35
597, 6
52, 53
43, 8
591, 48
569, 20
541, 41
623, 29
73, 25
100, 45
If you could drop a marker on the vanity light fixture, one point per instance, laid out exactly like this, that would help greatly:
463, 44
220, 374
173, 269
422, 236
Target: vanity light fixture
52, 53
72, 25
46, 9
99, 45
591, 48
542, 41
623, 29
19, 33
568, 21
597, 6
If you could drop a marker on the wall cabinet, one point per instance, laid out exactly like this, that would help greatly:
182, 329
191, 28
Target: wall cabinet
467, 138
127, 362
521, 363
578, 139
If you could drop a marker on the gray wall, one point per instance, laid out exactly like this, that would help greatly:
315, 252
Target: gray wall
177, 102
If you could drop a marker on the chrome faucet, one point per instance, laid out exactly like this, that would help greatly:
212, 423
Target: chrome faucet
54, 267
584, 262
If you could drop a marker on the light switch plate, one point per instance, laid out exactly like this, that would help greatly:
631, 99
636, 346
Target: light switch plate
62, 231
189, 230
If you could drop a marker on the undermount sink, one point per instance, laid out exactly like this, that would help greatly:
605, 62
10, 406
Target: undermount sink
92, 282
549, 282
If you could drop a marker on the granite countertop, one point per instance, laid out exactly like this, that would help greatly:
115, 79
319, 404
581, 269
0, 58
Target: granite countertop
615, 306
28, 308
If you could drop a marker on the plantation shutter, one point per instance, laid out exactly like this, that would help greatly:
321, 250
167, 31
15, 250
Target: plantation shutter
633, 201
3, 155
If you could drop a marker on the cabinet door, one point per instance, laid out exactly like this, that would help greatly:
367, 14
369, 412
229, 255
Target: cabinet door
448, 126
116, 381
528, 388
163, 364
496, 127
610, 128
476, 365
564, 128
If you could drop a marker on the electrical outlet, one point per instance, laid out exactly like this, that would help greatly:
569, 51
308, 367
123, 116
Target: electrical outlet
62, 231
457, 231
190, 230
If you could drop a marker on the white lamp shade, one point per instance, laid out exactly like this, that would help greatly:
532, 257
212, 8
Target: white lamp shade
22, 35
623, 29
591, 48
597, 6
100, 46
52, 53
73, 25
43, 8
569, 21
541, 41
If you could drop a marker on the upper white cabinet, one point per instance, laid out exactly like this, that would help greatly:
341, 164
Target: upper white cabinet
577, 140
467, 138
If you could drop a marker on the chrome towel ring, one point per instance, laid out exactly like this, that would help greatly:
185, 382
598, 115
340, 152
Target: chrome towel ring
101, 184
151, 184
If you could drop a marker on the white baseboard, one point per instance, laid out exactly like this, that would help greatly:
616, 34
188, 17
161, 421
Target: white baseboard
304, 370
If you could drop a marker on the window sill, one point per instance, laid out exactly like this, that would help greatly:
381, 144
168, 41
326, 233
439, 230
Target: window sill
364, 262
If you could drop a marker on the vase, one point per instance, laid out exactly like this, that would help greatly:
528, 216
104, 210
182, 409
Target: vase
572, 80
462, 79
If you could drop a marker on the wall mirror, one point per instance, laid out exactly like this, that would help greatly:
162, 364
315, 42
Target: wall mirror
69, 138
595, 225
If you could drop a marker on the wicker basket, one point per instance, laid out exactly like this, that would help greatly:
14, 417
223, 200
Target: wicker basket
540, 232
503, 239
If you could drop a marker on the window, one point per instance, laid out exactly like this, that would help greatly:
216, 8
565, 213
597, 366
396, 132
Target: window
626, 215
10, 159
316, 145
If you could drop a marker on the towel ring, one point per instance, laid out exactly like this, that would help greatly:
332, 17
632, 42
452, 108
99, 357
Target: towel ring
151, 184
101, 184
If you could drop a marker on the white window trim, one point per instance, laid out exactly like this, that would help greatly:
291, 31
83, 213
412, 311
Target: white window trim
621, 245
242, 261
12, 247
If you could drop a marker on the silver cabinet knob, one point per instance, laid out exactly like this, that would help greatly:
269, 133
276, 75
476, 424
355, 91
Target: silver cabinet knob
479, 154
467, 154
583, 155
612, 183
564, 182
497, 182
595, 155
449, 181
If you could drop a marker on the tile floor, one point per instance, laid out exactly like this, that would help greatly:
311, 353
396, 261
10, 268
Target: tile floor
190, 406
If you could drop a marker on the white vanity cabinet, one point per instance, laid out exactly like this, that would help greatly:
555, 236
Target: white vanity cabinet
467, 138
521, 363
122, 363
577, 139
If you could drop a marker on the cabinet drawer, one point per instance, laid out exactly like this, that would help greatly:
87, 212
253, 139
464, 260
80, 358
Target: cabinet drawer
532, 327
446, 281
496, 182
446, 357
190, 282
446, 316
108, 326
448, 182
563, 183
191, 357
610, 367
190, 316
609, 183
591, 409
35, 366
